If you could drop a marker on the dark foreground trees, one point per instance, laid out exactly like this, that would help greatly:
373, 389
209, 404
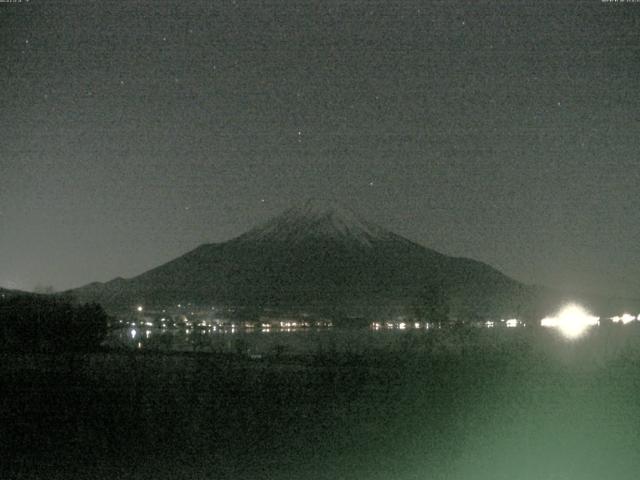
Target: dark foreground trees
50, 324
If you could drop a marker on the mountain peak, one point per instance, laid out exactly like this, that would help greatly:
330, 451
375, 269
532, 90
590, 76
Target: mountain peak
318, 254
318, 219
314, 207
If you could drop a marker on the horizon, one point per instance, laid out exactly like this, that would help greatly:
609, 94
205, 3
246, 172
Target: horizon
315, 205
323, 205
499, 132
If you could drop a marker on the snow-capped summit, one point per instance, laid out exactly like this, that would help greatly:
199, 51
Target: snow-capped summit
316, 219
321, 255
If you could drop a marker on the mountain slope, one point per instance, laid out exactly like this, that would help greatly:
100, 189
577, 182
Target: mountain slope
6, 293
315, 255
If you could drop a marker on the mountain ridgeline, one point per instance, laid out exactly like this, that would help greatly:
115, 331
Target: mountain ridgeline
321, 256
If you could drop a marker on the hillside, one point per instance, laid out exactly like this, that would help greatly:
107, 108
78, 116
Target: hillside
321, 256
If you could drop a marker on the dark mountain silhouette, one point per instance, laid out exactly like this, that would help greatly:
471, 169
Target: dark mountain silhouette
320, 255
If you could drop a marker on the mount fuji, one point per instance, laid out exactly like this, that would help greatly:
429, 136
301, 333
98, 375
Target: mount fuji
313, 256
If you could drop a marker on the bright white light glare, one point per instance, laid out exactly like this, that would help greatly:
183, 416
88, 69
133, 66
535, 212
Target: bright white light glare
512, 323
625, 318
572, 321
139, 308
489, 324
133, 333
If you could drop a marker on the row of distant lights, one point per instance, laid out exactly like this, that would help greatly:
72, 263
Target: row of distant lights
573, 320
398, 325
284, 326
511, 323
264, 326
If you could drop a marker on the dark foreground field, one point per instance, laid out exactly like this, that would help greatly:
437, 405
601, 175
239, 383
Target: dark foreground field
469, 405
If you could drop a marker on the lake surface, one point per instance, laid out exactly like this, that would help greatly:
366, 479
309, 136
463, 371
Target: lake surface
257, 341
301, 341
515, 404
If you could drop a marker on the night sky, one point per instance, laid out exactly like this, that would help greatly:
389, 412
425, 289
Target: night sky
508, 132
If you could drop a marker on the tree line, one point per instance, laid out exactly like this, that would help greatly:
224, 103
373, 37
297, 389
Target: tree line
38, 323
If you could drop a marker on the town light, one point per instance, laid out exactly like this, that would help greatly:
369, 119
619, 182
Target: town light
572, 321
625, 318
